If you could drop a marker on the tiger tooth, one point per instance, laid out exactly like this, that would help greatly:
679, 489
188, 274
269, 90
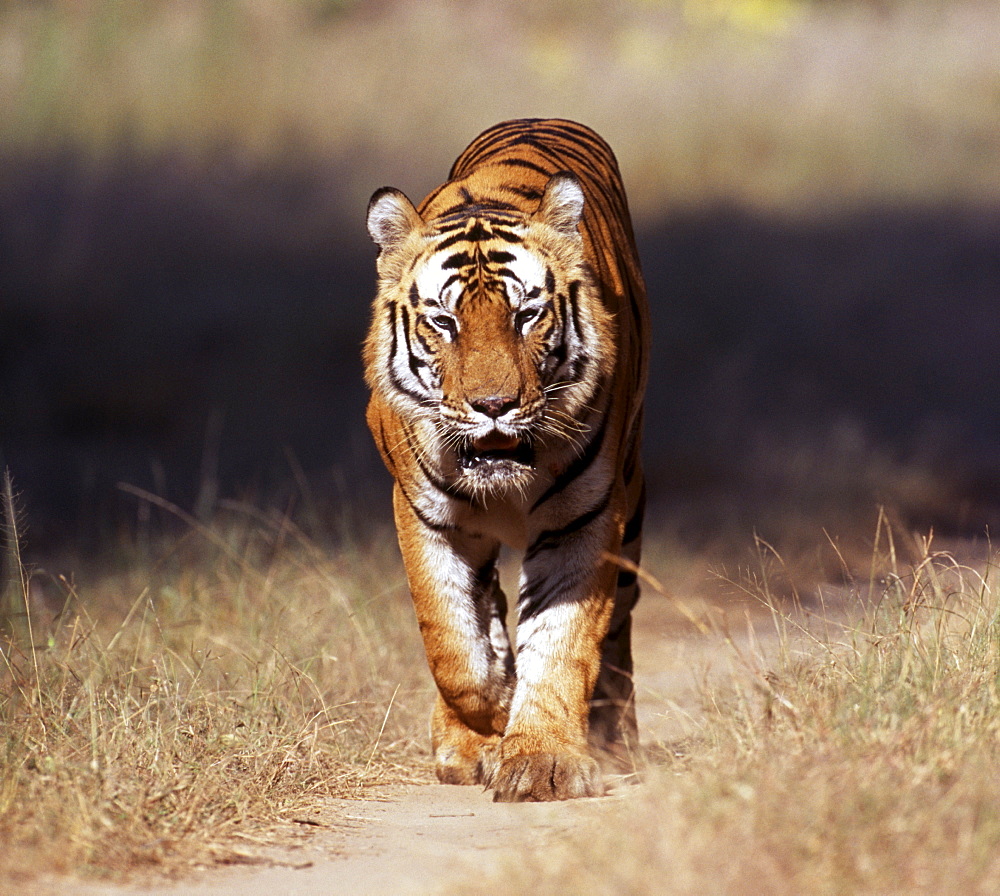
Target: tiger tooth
511, 303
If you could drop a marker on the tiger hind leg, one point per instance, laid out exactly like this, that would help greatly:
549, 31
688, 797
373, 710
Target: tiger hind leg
613, 731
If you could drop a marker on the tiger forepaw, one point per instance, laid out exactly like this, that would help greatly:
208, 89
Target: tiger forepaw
541, 777
471, 760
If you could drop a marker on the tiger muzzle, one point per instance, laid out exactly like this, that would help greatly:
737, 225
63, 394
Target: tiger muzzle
496, 449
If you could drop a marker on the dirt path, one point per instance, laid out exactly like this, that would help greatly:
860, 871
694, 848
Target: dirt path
421, 837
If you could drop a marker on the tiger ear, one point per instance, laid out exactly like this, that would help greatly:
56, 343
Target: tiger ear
391, 218
561, 206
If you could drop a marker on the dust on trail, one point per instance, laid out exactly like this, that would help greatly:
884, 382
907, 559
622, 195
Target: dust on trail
420, 838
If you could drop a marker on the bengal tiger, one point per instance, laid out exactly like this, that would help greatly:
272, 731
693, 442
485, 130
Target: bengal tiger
507, 361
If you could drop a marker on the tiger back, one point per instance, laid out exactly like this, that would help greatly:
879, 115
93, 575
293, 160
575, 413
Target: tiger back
507, 361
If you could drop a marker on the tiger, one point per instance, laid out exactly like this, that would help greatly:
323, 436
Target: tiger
507, 363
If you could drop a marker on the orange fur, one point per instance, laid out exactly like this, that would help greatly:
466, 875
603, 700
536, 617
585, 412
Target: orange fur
507, 362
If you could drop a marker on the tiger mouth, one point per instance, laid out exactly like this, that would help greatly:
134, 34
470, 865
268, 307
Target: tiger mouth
496, 450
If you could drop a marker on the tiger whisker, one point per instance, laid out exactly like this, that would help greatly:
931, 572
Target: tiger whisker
556, 387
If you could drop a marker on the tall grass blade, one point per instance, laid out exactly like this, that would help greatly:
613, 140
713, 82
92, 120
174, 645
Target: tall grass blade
15, 603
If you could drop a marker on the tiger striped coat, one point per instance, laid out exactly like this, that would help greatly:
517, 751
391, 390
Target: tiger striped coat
507, 361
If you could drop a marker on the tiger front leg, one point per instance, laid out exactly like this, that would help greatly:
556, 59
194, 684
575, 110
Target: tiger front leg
462, 616
563, 617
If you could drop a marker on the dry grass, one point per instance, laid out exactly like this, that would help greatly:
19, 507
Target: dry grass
861, 759
224, 680
774, 103
203, 699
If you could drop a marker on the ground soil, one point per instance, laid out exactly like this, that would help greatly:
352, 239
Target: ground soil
416, 839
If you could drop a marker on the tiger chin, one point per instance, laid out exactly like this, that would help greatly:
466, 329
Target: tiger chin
507, 359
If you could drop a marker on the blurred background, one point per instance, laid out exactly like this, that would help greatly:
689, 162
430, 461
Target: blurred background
185, 278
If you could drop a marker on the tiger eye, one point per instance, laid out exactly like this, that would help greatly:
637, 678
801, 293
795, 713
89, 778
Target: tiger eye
524, 433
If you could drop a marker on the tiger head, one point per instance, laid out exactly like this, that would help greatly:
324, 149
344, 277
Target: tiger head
488, 336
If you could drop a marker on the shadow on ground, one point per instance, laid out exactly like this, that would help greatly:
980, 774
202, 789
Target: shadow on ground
195, 330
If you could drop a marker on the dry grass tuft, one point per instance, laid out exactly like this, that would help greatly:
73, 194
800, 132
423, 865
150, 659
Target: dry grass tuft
203, 699
861, 758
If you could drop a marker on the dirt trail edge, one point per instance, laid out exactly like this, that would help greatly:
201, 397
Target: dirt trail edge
421, 837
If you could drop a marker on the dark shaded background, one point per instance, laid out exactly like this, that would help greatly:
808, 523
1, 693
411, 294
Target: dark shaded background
160, 327
185, 277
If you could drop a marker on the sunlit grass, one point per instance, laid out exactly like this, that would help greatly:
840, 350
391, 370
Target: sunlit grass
203, 700
227, 680
857, 756
207, 693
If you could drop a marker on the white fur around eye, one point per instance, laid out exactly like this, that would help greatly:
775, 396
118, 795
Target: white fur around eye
515, 291
446, 324
528, 268
431, 280
526, 318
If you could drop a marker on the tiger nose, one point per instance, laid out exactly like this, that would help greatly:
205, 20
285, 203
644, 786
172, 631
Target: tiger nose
494, 406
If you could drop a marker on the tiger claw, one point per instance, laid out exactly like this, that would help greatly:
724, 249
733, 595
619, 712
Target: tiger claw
544, 777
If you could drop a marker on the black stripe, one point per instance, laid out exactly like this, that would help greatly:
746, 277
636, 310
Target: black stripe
397, 384
460, 211
507, 236
539, 594
583, 163
484, 575
476, 233
547, 318
626, 578
632, 459
573, 133
414, 362
559, 352
386, 453
530, 143
430, 197
633, 528
458, 260
529, 193
450, 241
459, 215
576, 368
445, 488
551, 538
472, 207
574, 305
564, 147
561, 302
430, 524
527, 163
580, 464
423, 344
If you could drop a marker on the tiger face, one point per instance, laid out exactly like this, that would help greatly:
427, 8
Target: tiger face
489, 345
506, 358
